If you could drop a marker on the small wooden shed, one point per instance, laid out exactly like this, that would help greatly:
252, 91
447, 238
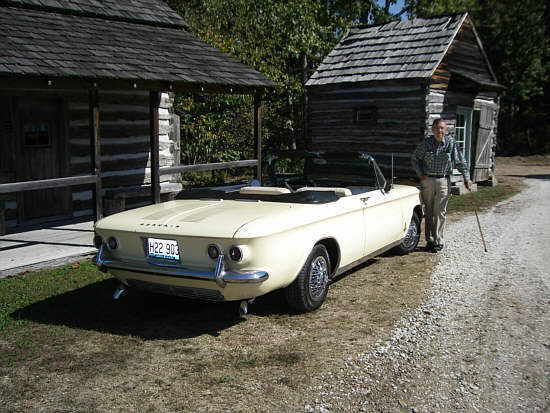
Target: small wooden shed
86, 92
382, 86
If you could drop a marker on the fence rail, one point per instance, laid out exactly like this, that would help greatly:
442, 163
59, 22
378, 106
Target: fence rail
92, 179
47, 183
166, 170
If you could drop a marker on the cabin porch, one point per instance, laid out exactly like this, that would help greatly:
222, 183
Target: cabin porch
45, 245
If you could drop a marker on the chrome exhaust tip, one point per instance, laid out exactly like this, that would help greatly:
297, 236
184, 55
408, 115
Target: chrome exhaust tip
119, 291
243, 307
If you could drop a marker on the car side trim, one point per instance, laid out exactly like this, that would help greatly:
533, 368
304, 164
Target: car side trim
366, 258
219, 275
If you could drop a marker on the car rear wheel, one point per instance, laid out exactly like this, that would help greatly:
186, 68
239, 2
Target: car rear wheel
410, 241
309, 289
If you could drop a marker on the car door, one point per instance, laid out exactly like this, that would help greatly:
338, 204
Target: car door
382, 219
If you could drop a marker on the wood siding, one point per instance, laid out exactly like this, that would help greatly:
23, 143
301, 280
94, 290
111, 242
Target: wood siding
395, 124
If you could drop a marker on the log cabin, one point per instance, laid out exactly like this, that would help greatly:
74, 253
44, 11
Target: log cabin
86, 104
382, 86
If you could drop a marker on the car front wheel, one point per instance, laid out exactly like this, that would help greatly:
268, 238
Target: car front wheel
308, 291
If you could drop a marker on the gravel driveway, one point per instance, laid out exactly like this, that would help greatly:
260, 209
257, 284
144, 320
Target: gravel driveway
481, 342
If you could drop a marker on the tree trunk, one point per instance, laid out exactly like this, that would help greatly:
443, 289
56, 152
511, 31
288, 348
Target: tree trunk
305, 103
387, 8
290, 107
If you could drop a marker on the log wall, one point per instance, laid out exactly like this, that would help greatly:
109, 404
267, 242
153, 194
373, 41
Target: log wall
124, 131
380, 118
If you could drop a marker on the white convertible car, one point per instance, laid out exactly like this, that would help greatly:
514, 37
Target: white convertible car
318, 215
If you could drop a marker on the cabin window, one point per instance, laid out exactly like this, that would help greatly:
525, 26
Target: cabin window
365, 115
36, 134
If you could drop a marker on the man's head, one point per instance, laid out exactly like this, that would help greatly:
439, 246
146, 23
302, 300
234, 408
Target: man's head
439, 129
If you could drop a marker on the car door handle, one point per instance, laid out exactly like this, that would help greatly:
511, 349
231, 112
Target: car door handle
365, 200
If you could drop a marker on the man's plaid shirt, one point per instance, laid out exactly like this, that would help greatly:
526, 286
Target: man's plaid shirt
429, 158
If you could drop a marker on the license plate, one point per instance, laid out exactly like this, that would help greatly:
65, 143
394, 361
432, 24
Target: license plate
163, 248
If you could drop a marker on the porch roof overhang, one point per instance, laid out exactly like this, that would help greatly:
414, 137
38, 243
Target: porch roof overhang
49, 50
479, 81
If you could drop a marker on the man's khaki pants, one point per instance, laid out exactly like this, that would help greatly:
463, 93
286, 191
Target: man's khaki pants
435, 195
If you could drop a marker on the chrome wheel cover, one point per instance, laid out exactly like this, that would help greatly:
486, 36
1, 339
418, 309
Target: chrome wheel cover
318, 277
411, 236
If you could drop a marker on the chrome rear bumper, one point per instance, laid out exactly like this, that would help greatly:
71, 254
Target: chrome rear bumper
219, 275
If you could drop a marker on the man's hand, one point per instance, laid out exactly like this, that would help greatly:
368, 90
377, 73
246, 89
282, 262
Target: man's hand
468, 183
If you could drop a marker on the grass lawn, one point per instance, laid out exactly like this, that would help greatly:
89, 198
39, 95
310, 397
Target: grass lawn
485, 197
28, 298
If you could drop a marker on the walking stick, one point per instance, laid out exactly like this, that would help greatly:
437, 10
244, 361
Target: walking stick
477, 218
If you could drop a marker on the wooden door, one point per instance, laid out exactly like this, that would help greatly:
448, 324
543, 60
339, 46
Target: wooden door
483, 152
41, 156
463, 133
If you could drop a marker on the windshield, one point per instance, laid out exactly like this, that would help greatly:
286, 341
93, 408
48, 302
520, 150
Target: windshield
324, 171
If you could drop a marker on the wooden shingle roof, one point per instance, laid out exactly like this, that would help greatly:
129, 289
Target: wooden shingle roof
139, 42
143, 11
396, 50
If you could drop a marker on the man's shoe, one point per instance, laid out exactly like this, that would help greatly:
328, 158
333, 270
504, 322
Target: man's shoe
437, 247
430, 246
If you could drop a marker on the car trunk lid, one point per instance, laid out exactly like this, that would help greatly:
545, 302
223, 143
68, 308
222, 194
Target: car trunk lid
201, 218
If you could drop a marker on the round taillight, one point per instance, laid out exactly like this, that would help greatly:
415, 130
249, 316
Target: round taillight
213, 251
98, 240
112, 243
236, 254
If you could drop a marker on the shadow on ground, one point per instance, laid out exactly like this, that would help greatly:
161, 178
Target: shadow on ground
151, 316
147, 316
545, 177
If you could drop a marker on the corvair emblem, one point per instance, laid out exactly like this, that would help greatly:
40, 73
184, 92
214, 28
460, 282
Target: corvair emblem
159, 225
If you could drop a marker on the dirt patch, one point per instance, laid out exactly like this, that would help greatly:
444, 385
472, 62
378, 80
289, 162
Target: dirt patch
515, 169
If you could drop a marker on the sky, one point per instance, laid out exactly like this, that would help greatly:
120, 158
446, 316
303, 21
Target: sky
394, 8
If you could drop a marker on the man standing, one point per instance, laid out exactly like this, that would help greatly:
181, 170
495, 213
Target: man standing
433, 162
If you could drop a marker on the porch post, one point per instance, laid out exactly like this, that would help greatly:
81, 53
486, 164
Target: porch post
258, 133
95, 152
154, 103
